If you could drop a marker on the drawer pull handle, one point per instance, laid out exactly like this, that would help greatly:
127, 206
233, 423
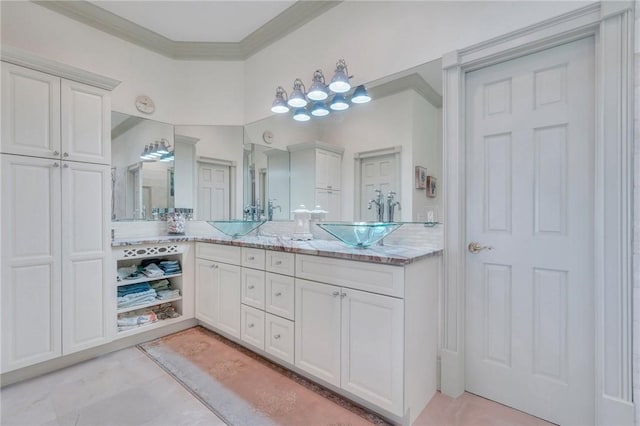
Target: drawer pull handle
56, 165
278, 262
66, 154
277, 336
251, 258
251, 287
250, 325
278, 294
335, 294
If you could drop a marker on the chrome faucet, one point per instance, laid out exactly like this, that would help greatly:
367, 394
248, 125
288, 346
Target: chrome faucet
254, 212
379, 202
391, 205
271, 208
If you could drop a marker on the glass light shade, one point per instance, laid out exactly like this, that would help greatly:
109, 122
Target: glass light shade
301, 114
319, 109
339, 103
360, 95
154, 152
167, 157
279, 104
318, 90
163, 149
297, 98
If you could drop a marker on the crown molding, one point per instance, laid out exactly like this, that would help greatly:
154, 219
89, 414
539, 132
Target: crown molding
288, 21
27, 59
412, 81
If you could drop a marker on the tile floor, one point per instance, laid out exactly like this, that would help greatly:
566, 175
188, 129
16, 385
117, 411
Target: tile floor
127, 388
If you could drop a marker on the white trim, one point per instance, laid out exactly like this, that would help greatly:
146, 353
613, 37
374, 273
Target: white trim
358, 157
185, 139
216, 161
612, 25
316, 144
26, 59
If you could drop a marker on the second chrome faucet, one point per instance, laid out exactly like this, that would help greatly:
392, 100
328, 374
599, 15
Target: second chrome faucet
380, 205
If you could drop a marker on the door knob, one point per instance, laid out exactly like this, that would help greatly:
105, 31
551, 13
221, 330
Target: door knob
476, 248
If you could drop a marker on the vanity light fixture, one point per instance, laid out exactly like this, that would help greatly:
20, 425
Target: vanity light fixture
297, 99
279, 104
160, 150
318, 92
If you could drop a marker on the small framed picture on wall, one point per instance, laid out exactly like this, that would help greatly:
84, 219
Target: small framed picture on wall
432, 186
421, 177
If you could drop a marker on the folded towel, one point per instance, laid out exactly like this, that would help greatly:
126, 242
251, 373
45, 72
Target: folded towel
123, 290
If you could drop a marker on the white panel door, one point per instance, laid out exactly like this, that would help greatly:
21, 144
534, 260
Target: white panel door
377, 173
328, 169
228, 299
530, 167
86, 288
30, 112
206, 291
317, 326
213, 192
372, 348
30, 286
85, 123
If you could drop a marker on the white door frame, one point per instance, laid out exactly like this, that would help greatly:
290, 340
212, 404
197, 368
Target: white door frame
611, 24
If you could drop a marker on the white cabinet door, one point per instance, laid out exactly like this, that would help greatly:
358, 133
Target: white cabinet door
328, 169
279, 295
30, 286
317, 325
30, 112
252, 324
330, 201
86, 223
228, 299
86, 123
372, 348
206, 291
278, 337
253, 288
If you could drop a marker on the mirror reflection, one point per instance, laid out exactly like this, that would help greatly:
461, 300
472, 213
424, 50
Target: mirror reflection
351, 163
142, 167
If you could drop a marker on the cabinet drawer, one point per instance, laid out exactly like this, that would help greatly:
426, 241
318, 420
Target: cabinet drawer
252, 326
253, 258
279, 295
219, 253
279, 337
280, 262
372, 277
253, 288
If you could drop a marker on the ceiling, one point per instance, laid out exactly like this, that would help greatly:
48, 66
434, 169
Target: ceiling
195, 30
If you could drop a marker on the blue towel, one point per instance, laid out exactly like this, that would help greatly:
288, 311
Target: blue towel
133, 288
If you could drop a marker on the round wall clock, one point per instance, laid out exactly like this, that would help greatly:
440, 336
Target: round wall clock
267, 136
145, 104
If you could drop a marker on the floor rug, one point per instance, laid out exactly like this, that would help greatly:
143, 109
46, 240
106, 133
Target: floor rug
245, 389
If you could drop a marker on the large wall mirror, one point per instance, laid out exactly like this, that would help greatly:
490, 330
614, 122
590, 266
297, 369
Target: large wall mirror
392, 143
144, 183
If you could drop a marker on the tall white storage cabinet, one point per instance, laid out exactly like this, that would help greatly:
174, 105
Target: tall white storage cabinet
55, 216
316, 170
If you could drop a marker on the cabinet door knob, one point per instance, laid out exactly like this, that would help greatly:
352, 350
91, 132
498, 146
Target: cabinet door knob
66, 154
278, 262
251, 258
343, 295
278, 294
66, 166
251, 287
335, 294
250, 325
214, 266
55, 165
56, 153
329, 186
277, 336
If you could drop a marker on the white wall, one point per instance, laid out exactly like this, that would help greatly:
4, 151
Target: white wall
189, 92
381, 38
636, 218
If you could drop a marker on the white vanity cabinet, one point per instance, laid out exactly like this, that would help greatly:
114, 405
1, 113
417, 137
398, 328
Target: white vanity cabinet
218, 287
316, 170
369, 329
51, 117
55, 221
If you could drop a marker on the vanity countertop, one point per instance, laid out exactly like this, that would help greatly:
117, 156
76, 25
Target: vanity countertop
387, 254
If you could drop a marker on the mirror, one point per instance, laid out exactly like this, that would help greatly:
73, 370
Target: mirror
383, 143
141, 189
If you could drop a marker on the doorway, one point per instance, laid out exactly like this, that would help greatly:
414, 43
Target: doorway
214, 191
376, 170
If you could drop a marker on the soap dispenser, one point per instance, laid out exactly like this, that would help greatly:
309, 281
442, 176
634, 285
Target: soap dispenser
301, 216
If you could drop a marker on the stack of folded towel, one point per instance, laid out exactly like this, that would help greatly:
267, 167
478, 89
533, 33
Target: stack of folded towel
135, 319
164, 290
135, 294
152, 271
170, 267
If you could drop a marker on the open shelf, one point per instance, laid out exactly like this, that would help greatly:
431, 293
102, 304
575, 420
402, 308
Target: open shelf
147, 305
146, 279
149, 326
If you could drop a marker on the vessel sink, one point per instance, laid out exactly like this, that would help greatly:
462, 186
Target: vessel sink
359, 234
235, 228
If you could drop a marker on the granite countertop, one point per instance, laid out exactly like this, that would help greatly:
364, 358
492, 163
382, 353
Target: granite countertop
387, 254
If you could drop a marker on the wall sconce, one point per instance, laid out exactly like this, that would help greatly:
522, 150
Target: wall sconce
299, 99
